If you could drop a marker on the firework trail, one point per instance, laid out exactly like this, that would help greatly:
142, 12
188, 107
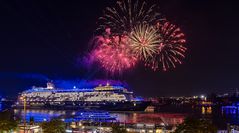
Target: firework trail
133, 31
127, 14
114, 54
144, 41
171, 49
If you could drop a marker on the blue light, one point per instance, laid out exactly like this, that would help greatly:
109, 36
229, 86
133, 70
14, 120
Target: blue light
39, 117
231, 112
96, 116
138, 99
73, 89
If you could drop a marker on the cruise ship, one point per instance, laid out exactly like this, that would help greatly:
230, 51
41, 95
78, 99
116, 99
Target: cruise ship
102, 97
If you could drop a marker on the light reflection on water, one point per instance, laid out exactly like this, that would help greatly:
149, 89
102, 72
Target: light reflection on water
38, 115
123, 117
221, 117
206, 110
231, 113
151, 118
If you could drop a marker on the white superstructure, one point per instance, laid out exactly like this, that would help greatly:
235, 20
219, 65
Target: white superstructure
50, 94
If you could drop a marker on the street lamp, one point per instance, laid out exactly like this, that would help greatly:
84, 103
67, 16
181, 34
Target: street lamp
24, 108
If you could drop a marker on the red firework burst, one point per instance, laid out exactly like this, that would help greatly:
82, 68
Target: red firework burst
113, 54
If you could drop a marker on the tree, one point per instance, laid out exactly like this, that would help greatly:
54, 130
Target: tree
192, 125
53, 126
7, 123
118, 129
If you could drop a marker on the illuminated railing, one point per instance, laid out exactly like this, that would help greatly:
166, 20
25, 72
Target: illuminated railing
92, 116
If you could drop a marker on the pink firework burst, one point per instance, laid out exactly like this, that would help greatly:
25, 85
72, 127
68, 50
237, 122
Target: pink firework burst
172, 48
113, 54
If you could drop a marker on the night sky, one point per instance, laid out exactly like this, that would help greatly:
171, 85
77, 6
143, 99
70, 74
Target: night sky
48, 38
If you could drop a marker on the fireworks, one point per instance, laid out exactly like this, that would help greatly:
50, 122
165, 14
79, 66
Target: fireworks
133, 31
171, 50
127, 14
114, 55
144, 41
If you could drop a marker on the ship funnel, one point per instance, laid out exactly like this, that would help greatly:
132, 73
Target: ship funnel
50, 85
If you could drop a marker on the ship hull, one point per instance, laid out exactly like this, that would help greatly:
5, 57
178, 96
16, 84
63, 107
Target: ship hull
108, 106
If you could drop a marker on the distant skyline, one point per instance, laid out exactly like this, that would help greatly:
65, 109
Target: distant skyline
49, 38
